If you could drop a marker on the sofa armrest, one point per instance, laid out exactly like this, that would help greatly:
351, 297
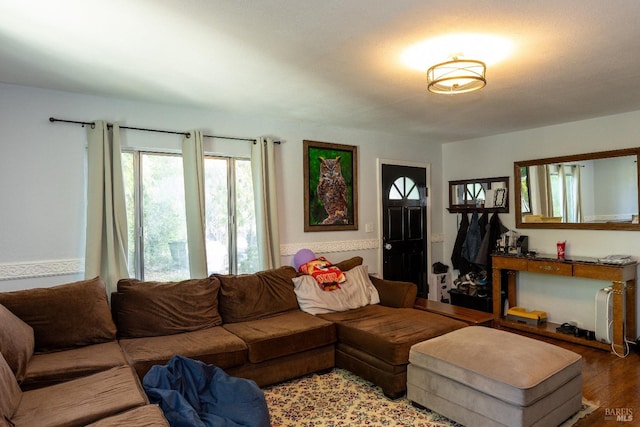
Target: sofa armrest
395, 293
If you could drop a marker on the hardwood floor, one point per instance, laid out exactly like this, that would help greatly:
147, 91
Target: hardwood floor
610, 381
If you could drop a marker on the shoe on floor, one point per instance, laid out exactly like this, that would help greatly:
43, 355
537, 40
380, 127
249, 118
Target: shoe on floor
566, 328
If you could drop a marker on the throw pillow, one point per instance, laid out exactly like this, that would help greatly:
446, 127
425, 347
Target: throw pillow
64, 316
357, 291
148, 309
254, 296
16, 342
10, 393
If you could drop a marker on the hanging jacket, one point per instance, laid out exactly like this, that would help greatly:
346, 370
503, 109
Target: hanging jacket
483, 222
457, 261
495, 230
473, 240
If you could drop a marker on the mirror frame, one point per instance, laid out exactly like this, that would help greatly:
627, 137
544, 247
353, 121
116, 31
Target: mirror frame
578, 157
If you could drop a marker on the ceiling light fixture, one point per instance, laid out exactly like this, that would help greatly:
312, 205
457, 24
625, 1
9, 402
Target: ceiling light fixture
457, 76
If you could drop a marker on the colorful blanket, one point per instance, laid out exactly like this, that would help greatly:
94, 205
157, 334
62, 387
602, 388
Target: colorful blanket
326, 274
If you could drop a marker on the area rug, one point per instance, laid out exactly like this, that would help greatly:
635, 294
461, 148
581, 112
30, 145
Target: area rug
340, 398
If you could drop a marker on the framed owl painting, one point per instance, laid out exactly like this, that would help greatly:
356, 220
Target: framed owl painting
330, 186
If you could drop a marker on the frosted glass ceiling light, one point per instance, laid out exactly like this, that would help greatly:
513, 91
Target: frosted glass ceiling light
456, 76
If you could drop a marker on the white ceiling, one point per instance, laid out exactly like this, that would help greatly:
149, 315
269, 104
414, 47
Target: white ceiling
333, 62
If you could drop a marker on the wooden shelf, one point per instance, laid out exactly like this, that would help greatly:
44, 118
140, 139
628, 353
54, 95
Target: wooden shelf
479, 209
465, 193
548, 329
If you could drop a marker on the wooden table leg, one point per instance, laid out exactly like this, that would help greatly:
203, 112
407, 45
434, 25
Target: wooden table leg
618, 317
512, 277
631, 310
496, 289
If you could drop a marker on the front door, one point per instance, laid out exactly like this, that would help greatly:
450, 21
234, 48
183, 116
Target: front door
404, 225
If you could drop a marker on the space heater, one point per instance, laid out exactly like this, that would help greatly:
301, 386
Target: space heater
604, 313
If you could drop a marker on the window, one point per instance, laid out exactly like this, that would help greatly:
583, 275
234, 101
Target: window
476, 191
565, 181
154, 189
404, 188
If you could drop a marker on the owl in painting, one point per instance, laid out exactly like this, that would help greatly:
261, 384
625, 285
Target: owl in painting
332, 191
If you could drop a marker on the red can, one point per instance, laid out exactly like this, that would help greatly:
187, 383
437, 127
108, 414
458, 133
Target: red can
561, 249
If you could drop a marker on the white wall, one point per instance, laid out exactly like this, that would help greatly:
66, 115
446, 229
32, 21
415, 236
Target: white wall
42, 175
563, 299
42, 183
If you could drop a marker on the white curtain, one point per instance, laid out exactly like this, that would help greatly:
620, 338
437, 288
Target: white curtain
106, 247
266, 204
563, 195
569, 178
561, 183
577, 193
540, 191
193, 166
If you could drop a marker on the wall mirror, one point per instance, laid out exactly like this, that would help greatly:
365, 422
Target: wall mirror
597, 191
481, 194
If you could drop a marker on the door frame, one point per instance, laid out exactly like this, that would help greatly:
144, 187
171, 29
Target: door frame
427, 167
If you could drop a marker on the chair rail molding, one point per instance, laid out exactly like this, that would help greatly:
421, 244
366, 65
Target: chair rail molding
32, 269
329, 247
28, 270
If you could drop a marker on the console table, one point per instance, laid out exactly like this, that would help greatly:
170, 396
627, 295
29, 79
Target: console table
622, 277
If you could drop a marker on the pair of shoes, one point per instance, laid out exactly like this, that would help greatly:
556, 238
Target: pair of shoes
483, 291
580, 333
463, 287
566, 328
482, 278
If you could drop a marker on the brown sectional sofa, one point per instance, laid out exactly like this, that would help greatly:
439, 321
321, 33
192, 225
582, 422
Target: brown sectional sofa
257, 330
249, 325
58, 349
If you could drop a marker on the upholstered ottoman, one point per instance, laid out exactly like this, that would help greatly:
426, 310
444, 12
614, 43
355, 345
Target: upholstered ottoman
484, 377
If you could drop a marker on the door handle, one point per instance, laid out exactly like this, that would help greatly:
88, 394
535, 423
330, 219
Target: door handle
388, 246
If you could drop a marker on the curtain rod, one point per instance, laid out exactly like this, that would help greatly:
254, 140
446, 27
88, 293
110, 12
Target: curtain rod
53, 119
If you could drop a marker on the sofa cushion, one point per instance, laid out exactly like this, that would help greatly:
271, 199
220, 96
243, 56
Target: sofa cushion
10, 393
81, 401
395, 293
388, 333
283, 334
254, 296
16, 342
356, 291
215, 346
64, 316
147, 309
57, 366
350, 263
142, 416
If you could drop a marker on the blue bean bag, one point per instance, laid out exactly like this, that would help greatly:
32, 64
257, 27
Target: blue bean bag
194, 394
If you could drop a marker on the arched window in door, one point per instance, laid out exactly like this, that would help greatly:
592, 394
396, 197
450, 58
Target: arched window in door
404, 188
